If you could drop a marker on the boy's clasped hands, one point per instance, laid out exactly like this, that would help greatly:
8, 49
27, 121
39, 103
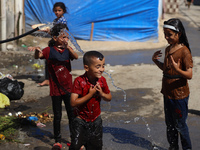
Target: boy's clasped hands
96, 89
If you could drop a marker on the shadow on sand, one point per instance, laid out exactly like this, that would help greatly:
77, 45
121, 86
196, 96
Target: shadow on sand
124, 136
195, 112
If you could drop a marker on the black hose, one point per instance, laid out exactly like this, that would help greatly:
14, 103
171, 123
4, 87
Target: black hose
20, 36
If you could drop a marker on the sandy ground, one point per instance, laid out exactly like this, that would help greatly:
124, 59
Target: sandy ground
129, 77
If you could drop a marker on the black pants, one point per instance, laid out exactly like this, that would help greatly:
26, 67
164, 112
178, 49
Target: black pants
57, 110
88, 134
46, 71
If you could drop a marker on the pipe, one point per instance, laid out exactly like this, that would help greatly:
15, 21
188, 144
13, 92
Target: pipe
20, 36
27, 33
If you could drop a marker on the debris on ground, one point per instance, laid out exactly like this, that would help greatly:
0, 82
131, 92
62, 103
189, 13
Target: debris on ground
37, 119
12, 122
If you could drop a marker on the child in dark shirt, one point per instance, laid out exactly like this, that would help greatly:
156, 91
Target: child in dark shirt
58, 55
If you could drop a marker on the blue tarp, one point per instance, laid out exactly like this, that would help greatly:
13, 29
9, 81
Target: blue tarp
114, 20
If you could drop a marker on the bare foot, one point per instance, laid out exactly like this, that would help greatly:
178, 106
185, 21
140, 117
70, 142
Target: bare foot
44, 83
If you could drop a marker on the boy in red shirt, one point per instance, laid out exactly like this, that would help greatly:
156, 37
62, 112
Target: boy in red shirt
87, 91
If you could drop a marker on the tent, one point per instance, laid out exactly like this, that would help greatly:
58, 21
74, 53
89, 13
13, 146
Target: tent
103, 20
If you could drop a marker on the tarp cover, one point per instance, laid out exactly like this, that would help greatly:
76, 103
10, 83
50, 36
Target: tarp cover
114, 20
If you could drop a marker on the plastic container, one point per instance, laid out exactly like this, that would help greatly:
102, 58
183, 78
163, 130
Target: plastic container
33, 118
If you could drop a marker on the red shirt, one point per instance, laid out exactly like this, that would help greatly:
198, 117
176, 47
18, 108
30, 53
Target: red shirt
91, 109
59, 70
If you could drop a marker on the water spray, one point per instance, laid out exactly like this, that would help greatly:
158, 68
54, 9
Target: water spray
118, 88
72, 40
153, 145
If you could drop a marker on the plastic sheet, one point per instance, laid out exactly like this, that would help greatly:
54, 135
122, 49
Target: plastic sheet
122, 20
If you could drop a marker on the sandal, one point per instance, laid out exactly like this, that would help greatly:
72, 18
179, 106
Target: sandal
57, 146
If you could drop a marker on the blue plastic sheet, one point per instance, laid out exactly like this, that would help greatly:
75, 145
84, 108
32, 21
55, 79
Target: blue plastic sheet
121, 20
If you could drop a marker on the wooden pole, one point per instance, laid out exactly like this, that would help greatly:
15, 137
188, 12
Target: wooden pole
92, 30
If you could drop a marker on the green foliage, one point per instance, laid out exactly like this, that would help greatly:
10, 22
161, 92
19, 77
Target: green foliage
9, 127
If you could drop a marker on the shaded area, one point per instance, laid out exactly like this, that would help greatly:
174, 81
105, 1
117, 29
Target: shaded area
195, 112
124, 136
133, 101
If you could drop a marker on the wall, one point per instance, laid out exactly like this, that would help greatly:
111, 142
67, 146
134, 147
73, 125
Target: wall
10, 24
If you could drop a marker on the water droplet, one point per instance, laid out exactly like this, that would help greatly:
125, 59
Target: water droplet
136, 119
126, 122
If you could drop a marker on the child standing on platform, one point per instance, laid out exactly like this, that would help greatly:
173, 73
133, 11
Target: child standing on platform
59, 9
177, 69
58, 56
88, 89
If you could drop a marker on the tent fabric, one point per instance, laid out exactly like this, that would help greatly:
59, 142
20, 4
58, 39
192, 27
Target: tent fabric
121, 20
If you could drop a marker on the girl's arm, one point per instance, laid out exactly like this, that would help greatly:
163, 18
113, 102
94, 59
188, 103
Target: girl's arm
38, 52
185, 74
155, 58
76, 101
72, 52
74, 55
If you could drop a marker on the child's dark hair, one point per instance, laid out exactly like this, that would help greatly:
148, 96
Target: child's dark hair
87, 58
61, 5
179, 26
55, 31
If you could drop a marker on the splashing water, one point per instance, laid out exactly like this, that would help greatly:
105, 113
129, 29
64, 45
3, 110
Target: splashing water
124, 105
49, 25
118, 88
72, 40
153, 144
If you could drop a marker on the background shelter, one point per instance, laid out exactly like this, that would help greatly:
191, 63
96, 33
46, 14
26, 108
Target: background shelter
101, 20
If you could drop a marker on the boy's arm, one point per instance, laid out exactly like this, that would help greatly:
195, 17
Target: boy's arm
75, 100
106, 97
